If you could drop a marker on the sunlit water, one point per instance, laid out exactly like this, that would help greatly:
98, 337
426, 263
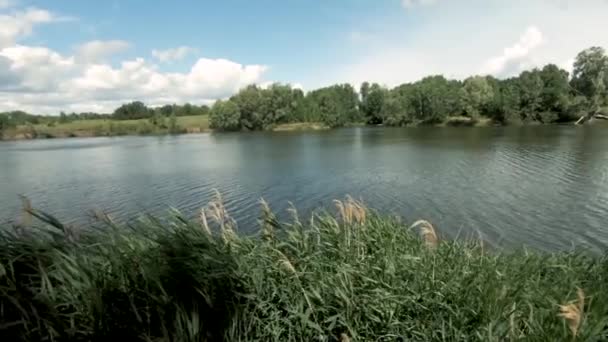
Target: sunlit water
543, 187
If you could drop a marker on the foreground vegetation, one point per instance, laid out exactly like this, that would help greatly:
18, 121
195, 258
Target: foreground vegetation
547, 95
353, 276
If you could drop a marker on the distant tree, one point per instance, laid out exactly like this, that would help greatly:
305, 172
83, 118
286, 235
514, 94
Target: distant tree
397, 109
434, 98
555, 96
173, 127
132, 111
225, 116
372, 101
63, 118
167, 110
5, 123
531, 90
590, 73
476, 94
335, 105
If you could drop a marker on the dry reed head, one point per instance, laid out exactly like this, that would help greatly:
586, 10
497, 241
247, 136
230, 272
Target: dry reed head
269, 221
429, 235
572, 312
285, 263
26, 211
294, 213
203, 219
216, 211
351, 211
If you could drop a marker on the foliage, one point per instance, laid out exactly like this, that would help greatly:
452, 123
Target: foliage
354, 275
336, 105
590, 74
225, 115
132, 111
476, 94
373, 99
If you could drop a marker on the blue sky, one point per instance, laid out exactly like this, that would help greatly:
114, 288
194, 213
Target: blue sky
93, 55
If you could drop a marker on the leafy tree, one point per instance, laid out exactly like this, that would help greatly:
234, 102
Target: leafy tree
476, 94
133, 110
531, 90
398, 108
225, 116
335, 105
167, 110
173, 127
434, 98
251, 105
555, 95
590, 73
63, 118
509, 103
372, 101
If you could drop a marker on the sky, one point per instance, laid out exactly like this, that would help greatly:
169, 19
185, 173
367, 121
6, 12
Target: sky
69, 55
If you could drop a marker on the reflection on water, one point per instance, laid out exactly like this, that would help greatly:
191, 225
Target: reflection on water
544, 187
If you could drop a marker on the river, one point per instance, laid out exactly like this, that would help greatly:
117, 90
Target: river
544, 187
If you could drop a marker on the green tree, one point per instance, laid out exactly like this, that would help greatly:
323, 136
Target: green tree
531, 90
590, 73
251, 105
173, 127
476, 94
372, 101
555, 96
335, 105
434, 98
225, 116
133, 110
398, 109
167, 110
508, 105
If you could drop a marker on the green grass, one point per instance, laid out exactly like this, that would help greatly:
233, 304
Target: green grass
106, 127
354, 275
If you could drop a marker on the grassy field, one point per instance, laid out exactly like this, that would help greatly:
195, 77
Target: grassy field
349, 276
91, 128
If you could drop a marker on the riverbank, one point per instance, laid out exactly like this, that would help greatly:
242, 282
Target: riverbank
108, 127
184, 125
351, 276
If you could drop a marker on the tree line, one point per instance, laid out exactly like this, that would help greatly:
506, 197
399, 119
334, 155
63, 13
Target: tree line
128, 111
541, 95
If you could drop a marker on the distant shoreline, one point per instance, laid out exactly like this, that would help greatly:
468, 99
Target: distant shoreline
194, 125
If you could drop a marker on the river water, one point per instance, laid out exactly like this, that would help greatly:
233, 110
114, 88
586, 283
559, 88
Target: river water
544, 187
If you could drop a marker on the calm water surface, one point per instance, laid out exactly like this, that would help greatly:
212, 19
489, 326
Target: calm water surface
544, 187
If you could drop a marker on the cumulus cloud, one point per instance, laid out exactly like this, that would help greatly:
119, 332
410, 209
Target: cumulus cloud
40, 80
413, 3
20, 23
6, 4
173, 54
517, 57
98, 50
44, 81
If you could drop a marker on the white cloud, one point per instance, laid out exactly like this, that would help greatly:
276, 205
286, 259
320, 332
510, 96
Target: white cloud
413, 3
98, 50
40, 80
20, 23
173, 54
517, 57
6, 4
485, 36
